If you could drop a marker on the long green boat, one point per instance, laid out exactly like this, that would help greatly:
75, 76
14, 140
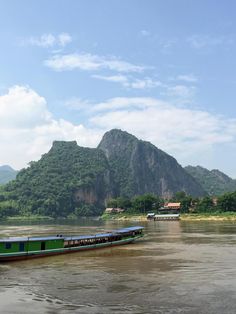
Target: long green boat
12, 249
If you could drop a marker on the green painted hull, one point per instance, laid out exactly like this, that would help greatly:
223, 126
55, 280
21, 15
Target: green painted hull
7, 257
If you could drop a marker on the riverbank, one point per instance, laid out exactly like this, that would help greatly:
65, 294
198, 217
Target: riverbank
209, 217
123, 217
227, 216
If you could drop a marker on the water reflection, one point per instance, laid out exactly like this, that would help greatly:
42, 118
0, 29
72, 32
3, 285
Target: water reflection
179, 267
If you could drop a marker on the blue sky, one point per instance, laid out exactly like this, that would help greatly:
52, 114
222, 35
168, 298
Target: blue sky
161, 70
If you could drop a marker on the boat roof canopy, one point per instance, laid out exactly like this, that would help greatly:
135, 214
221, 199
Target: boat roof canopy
129, 229
69, 238
103, 235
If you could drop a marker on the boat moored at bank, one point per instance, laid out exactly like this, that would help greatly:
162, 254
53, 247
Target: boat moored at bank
30, 247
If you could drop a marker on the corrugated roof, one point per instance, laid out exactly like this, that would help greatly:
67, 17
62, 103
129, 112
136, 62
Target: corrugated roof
173, 204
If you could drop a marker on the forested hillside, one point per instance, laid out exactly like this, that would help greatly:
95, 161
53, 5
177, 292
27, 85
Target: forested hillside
68, 179
214, 182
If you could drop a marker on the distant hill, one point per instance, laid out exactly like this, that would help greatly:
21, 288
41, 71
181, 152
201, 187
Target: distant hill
73, 179
7, 174
140, 167
214, 182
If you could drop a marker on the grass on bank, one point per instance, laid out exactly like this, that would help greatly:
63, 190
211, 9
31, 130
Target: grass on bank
209, 216
124, 216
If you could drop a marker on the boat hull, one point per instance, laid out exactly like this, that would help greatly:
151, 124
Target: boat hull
30, 255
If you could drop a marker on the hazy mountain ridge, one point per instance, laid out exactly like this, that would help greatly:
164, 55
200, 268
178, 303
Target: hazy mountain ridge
7, 174
213, 181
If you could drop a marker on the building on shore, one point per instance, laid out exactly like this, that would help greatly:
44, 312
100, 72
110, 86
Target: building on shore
114, 210
170, 211
170, 208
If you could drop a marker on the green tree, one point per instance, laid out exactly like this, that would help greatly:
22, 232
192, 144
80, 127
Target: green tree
85, 210
205, 205
8, 208
112, 203
184, 199
145, 203
227, 202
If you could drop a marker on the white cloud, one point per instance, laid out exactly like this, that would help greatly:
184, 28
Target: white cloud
145, 33
187, 78
179, 131
113, 78
144, 83
181, 93
27, 128
134, 103
78, 104
198, 41
130, 82
45, 40
89, 62
64, 39
204, 41
22, 107
48, 40
167, 44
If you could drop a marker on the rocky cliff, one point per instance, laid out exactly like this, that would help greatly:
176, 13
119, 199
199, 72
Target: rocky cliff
140, 167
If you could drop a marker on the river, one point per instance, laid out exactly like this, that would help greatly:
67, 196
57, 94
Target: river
178, 267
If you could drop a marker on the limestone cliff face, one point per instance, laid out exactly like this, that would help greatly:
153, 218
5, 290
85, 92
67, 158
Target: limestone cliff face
97, 192
140, 167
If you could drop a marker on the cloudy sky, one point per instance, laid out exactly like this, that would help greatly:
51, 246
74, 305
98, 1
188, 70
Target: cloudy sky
161, 70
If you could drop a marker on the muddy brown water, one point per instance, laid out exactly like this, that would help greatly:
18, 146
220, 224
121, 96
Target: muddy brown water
178, 267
